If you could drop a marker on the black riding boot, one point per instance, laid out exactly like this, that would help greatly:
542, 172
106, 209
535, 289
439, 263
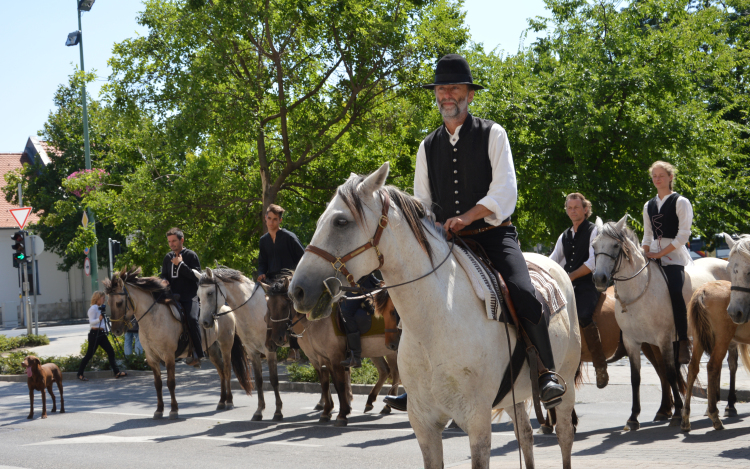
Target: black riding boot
550, 390
396, 402
354, 360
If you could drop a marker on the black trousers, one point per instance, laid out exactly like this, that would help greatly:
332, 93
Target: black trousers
98, 338
192, 316
501, 246
586, 299
676, 279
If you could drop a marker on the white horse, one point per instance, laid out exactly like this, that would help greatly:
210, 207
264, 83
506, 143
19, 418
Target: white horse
451, 357
248, 302
739, 272
643, 309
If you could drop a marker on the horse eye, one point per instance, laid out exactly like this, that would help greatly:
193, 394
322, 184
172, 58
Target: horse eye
342, 222
210, 293
617, 246
119, 303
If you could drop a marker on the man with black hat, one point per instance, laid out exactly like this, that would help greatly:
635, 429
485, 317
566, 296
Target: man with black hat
177, 270
465, 175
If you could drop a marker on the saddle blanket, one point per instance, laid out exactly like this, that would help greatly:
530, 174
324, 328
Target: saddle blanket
486, 287
208, 336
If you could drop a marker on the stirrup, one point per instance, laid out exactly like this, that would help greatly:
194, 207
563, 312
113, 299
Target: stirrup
555, 401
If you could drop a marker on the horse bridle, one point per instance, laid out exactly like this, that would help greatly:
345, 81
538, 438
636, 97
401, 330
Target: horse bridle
129, 304
216, 314
339, 263
289, 320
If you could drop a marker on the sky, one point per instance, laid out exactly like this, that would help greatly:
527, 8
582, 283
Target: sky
34, 60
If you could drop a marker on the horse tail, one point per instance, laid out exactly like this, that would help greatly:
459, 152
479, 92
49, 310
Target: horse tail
701, 324
496, 415
241, 365
578, 379
744, 351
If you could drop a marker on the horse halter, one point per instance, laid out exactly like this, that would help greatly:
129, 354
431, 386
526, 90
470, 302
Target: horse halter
339, 263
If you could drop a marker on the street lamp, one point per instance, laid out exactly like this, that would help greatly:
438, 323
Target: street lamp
76, 38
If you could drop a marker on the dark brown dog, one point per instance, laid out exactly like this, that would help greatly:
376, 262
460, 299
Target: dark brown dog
41, 377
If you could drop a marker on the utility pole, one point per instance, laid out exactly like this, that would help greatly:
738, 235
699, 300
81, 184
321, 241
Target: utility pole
92, 220
25, 308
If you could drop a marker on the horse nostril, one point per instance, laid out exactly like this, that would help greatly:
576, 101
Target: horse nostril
298, 294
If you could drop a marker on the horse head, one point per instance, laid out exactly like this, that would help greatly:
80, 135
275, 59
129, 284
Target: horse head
739, 273
348, 222
280, 310
211, 294
384, 308
117, 299
613, 243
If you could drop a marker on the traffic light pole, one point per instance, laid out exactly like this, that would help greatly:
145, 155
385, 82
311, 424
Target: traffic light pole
87, 153
25, 310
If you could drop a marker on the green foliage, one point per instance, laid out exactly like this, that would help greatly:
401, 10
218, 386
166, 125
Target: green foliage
10, 343
366, 374
302, 373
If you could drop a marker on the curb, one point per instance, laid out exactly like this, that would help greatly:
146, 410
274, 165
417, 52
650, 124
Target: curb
743, 395
72, 375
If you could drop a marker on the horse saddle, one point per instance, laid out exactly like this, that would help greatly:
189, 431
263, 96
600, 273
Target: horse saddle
366, 323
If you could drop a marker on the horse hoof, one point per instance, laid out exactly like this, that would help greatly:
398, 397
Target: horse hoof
230, 406
158, 415
278, 417
386, 410
368, 407
632, 426
676, 421
221, 406
545, 430
257, 417
730, 412
718, 425
341, 422
660, 417
319, 407
173, 415
685, 427
324, 419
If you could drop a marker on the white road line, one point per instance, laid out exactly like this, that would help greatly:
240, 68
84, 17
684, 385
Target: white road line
245, 440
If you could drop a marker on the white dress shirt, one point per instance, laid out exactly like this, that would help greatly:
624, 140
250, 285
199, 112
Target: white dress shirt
680, 256
503, 193
93, 314
558, 255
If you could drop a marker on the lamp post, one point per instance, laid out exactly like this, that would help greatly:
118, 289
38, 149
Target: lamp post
76, 38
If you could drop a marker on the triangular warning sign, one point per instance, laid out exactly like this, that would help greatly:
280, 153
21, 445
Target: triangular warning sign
21, 215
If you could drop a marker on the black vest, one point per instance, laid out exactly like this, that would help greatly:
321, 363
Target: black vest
459, 176
664, 223
576, 249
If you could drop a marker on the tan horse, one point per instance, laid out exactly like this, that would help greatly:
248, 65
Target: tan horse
320, 343
714, 333
132, 297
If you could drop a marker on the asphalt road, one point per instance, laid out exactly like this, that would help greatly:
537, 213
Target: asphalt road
108, 424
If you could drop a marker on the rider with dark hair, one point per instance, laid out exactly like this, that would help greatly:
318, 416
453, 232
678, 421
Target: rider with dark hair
465, 175
177, 270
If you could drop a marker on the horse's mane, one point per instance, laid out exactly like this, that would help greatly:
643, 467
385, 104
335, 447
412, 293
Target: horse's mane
223, 273
280, 285
380, 301
610, 229
131, 276
742, 246
413, 210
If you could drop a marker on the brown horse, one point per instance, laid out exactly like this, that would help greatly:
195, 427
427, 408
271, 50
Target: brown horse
715, 333
384, 308
132, 296
320, 343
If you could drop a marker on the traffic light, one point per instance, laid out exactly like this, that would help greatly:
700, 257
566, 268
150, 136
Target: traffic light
19, 248
116, 250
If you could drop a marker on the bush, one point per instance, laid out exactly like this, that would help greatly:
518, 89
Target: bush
10, 343
367, 374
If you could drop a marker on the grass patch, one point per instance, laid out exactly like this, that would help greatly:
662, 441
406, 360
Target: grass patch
10, 343
367, 374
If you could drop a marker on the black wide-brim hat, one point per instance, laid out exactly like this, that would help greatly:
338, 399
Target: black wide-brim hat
453, 70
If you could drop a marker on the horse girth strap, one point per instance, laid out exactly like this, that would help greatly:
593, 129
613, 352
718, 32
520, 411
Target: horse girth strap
339, 263
742, 289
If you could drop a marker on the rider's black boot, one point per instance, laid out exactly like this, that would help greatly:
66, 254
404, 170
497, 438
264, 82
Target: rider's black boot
550, 390
354, 360
396, 402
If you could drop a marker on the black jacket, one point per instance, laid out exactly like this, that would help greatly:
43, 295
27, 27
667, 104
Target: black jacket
180, 277
285, 253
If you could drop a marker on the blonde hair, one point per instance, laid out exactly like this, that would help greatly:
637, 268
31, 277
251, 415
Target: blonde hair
585, 203
671, 171
96, 296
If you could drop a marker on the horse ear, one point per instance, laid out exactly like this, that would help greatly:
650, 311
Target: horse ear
729, 240
197, 274
209, 273
286, 283
620, 226
599, 224
376, 180
264, 286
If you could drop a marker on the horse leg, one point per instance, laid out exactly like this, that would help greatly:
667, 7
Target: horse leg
215, 355
545, 428
339, 375
693, 370
714, 382
429, 436
226, 353
654, 356
479, 428
171, 385
258, 374
672, 371
273, 374
565, 429
635, 383
732, 356
325, 385
154, 365
383, 373
524, 433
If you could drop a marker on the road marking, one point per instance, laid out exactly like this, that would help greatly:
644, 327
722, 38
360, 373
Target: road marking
109, 439
244, 440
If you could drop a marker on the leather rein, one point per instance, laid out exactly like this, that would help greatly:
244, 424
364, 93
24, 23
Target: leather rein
130, 304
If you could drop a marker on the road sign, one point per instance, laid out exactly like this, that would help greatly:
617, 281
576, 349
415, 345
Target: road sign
86, 251
21, 215
38, 244
85, 220
87, 267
